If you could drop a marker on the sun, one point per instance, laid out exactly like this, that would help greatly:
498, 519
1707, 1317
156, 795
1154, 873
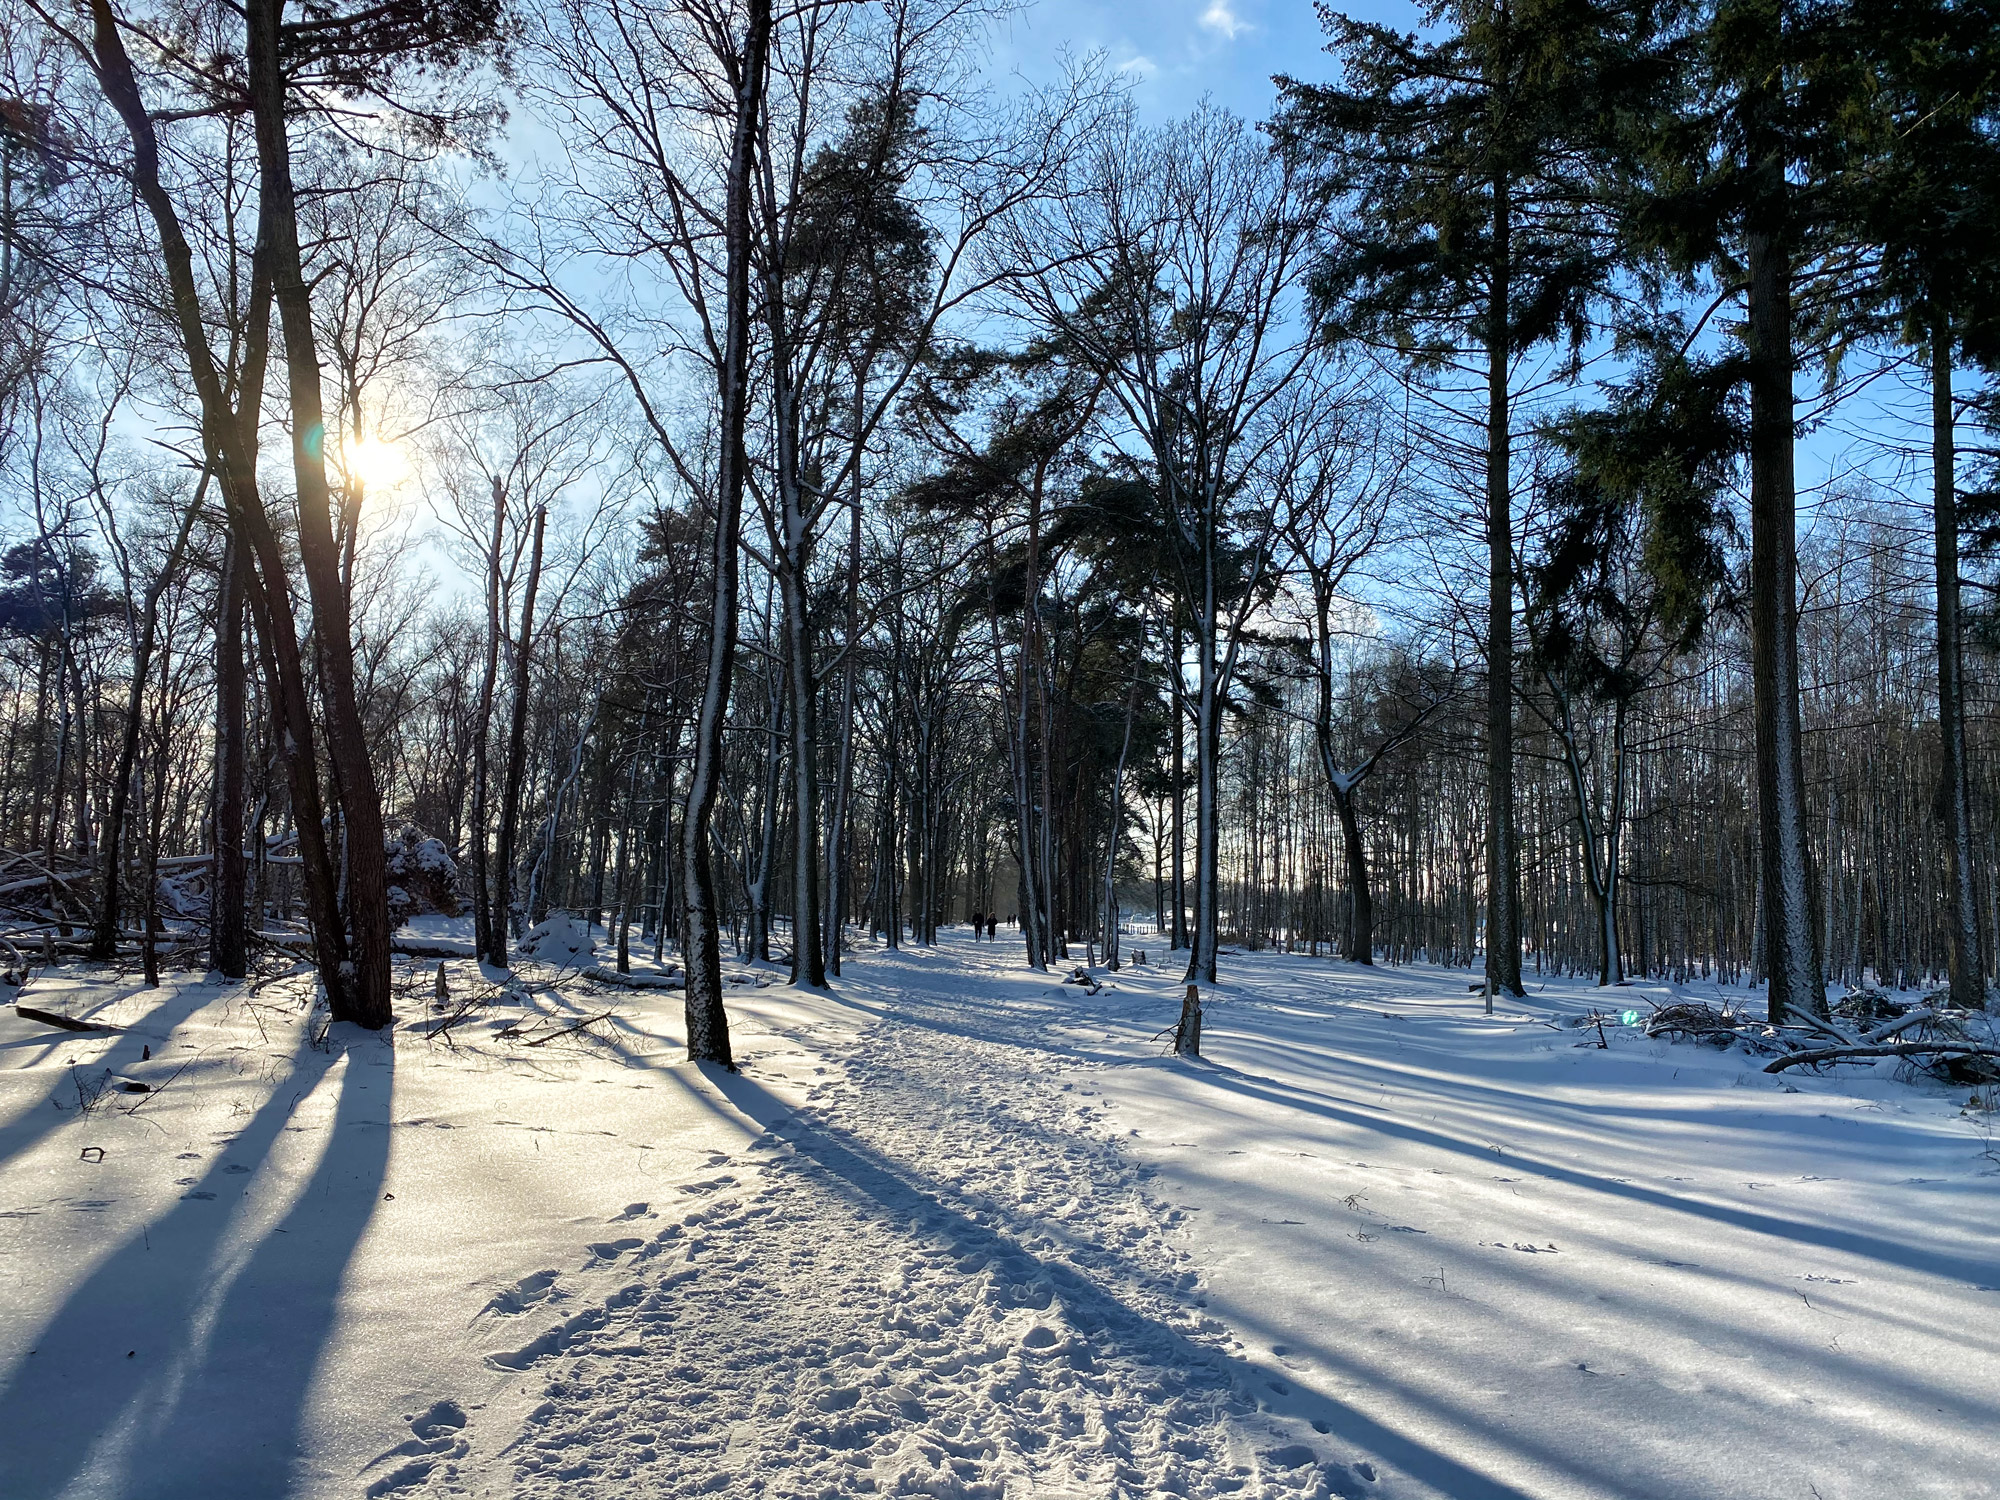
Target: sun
376, 466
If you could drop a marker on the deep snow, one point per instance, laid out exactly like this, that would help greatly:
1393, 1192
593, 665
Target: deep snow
959, 1230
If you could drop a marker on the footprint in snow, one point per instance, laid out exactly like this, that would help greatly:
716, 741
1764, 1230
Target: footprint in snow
523, 1294
437, 1440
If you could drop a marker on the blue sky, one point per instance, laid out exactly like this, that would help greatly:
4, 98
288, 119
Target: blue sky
1179, 50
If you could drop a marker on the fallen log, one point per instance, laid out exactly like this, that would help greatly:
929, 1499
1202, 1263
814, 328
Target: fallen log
602, 975
66, 1023
1901, 1023
433, 948
1889, 1049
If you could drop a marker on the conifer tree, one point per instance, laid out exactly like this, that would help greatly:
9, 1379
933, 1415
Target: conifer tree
1920, 188
1466, 167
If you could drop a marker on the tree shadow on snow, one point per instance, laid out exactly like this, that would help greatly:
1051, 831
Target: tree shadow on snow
1853, 1242
224, 1339
891, 1190
50, 1112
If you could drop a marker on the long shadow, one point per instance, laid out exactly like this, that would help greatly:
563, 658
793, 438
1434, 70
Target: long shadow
1873, 1247
994, 1036
1086, 1302
238, 1422
1888, 1252
207, 1399
26, 1130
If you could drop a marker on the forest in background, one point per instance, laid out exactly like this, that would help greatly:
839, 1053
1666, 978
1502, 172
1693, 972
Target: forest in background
742, 477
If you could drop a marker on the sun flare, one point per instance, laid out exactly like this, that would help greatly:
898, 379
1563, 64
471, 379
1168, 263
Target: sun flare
376, 466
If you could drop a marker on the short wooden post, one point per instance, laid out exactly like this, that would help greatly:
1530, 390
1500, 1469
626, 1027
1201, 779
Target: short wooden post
443, 991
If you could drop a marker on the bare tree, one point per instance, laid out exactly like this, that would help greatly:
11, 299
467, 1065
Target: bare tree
1171, 268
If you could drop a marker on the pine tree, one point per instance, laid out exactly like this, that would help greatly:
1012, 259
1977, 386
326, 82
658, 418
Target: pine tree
1921, 189
1467, 170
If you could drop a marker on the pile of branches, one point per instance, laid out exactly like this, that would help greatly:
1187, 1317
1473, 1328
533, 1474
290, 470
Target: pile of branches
34, 887
1956, 1046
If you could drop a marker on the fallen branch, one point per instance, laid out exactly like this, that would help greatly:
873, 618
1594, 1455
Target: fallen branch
1805, 1019
1901, 1023
66, 1023
553, 1036
13, 887
1890, 1049
160, 1088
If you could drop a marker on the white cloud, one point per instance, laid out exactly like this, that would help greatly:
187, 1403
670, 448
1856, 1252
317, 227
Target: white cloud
1140, 64
1220, 18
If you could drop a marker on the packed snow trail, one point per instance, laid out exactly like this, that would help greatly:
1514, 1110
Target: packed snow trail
960, 1230
939, 1277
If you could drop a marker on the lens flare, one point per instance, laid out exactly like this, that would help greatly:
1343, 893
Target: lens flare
374, 465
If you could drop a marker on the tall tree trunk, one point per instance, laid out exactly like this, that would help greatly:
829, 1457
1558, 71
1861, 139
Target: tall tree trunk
707, 1022
227, 939
369, 1000
1503, 883
1208, 744
1791, 946
808, 960
1968, 973
482, 740
1111, 844
229, 444
517, 759
761, 854
837, 856
794, 563
1179, 937
1360, 897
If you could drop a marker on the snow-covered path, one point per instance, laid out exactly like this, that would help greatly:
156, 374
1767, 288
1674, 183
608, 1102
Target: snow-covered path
939, 1277
1375, 1244
959, 1230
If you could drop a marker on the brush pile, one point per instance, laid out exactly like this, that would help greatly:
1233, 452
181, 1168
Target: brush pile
1953, 1045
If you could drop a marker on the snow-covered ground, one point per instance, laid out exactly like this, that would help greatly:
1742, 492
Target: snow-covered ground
959, 1230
